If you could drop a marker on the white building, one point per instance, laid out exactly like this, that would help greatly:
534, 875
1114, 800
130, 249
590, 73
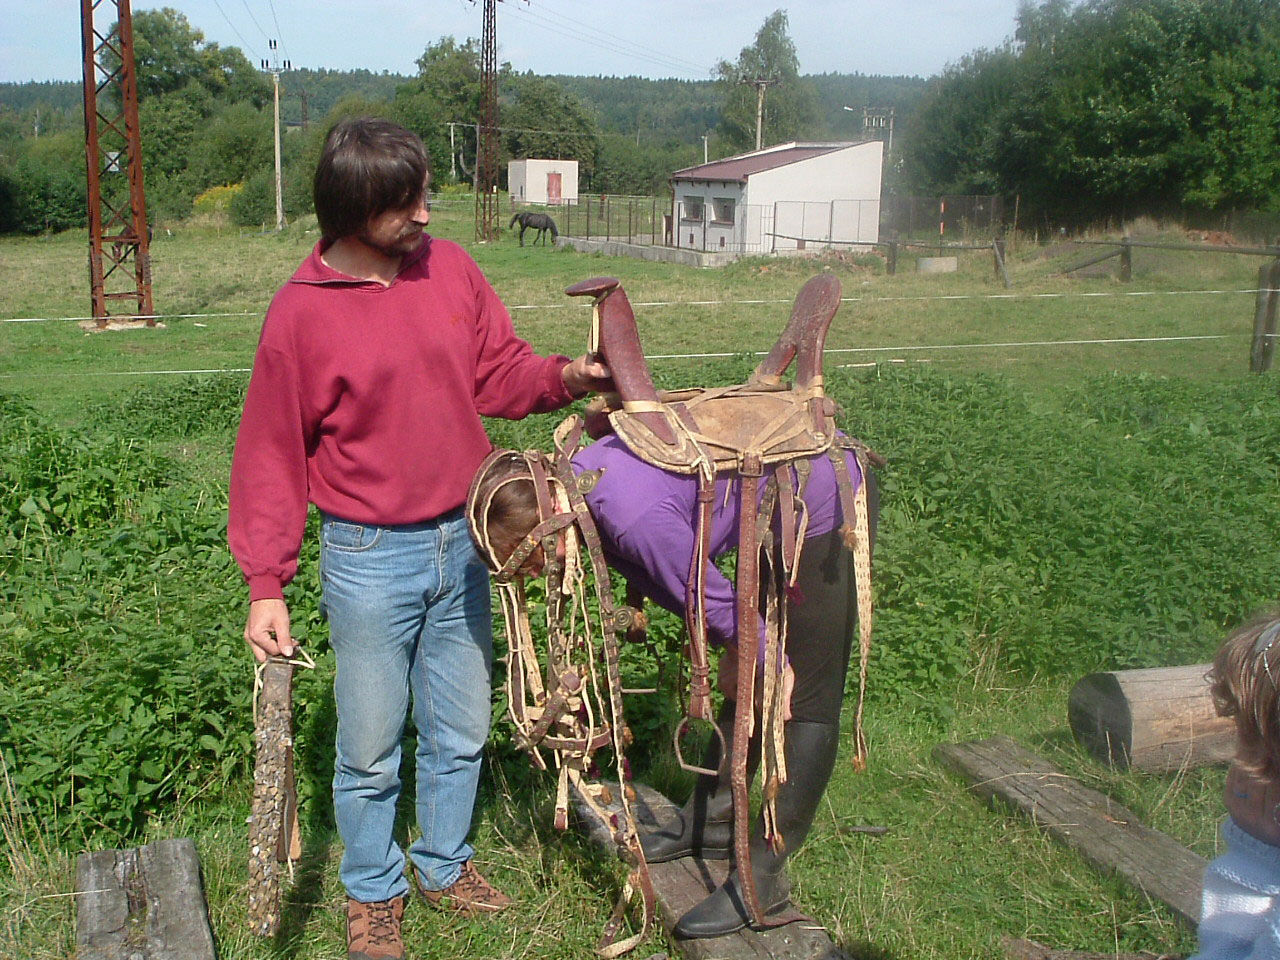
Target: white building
783, 199
543, 181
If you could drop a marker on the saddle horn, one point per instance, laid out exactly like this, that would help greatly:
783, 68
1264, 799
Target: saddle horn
615, 338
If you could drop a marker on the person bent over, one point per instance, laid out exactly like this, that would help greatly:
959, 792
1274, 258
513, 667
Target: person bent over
645, 517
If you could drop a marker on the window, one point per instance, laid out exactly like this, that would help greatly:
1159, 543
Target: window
722, 210
691, 208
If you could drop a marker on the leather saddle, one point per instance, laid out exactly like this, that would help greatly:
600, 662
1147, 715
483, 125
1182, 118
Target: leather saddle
689, 431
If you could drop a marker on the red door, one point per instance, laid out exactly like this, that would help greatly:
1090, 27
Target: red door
553, 188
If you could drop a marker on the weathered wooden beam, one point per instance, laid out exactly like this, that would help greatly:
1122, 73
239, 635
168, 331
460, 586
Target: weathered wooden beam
1157, 720
143, 904
681, 884
1106, 834
1264, 320
273, 825
1089, 262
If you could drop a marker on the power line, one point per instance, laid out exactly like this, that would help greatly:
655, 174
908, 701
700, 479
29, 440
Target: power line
248, 46
616, 44
279, 33
249, 11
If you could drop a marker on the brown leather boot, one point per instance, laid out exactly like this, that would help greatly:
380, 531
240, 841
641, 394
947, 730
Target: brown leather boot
471, 894
373, 930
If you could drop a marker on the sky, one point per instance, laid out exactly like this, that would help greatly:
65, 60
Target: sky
648, 38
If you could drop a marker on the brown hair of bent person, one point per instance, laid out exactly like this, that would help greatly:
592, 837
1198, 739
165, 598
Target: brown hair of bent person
512, 511
1245, 684
368, 166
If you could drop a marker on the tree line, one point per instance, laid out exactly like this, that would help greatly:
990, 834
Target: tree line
207, 136
1111, 108
1101, 109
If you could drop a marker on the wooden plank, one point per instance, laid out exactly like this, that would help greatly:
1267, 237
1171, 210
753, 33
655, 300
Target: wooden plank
143, 904
681, 884
1106, 834
1159, 720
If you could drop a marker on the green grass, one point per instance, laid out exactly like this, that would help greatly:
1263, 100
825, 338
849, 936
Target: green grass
1048, 511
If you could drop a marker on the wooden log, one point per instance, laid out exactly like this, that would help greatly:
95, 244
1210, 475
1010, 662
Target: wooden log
1106, 834
273, 824
1157, 720
143, 904
682, 884
1089, 263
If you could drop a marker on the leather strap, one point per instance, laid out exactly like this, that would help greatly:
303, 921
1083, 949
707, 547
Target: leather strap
748, 642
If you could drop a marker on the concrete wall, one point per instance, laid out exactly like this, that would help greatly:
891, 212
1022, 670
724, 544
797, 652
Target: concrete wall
527, 180
645, 251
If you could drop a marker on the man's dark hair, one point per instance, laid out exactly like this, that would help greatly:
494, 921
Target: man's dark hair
368, 166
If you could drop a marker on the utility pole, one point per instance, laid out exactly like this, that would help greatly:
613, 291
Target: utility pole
704, 148
274, 69
453, 154
113, 144
487, 130
760, 83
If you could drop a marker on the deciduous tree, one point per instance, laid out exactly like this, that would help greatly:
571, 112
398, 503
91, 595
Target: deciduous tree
790, 103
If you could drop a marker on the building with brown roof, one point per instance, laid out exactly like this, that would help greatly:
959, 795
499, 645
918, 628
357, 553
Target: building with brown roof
783, 199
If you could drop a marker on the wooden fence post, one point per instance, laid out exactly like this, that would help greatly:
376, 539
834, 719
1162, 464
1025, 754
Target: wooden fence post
1264, 318
997, 251
893, 257
1126, 260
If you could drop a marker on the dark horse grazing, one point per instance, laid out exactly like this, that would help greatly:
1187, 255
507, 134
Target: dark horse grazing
535, 221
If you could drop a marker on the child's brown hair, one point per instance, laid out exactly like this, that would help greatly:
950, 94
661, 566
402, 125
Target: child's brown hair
1245, 684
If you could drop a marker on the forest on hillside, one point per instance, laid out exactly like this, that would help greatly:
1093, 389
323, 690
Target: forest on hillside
1093, 110
207, 138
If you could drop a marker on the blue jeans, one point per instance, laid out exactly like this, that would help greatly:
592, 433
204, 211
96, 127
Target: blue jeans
408, 610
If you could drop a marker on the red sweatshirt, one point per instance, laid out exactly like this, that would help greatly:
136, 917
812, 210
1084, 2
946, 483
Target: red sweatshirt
365, 400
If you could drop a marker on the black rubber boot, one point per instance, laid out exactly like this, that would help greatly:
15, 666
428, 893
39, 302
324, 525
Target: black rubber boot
811, 756
705, 825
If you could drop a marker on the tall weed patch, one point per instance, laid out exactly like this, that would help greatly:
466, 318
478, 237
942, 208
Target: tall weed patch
124, 686
1118, 522
1127, 523
181, 408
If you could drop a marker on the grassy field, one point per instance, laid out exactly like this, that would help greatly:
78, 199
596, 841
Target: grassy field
1049, 509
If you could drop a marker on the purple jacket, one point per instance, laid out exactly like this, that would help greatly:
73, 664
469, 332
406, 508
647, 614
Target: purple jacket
647, 518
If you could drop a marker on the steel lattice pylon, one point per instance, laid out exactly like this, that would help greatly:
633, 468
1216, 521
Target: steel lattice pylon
118, 241
487, 158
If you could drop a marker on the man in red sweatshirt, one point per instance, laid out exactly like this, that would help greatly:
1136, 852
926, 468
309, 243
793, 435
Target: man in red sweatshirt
375, 362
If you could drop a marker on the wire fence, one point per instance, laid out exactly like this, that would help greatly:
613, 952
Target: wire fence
962, 219
1263, 340
782, 227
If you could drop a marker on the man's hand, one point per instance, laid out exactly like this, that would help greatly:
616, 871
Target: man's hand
586, 374
728, 680
267, 630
